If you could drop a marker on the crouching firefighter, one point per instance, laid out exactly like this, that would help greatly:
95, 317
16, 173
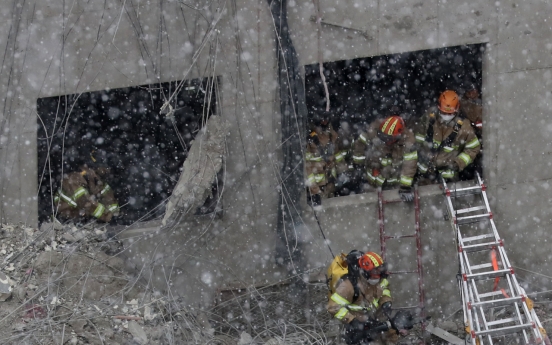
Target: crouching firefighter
83, 194
362, 301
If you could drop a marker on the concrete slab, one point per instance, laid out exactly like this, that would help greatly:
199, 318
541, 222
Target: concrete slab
523, 53
519, 17
467, 22
337, 41
524, 225
183, 266
491, 119
11, 182
524, 155
408, 25
524, 29
56, 9
28, 158
199, 171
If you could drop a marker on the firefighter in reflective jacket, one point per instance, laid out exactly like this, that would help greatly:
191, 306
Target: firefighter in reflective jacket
362, 300
447, 141
345, 181
388, 152
84, 194
472, 107
320, 160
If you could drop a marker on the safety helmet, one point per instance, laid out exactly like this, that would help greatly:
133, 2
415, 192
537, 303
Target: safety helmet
372, 266
390, 129
449, 102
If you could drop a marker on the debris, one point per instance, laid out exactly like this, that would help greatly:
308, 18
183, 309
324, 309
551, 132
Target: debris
127, 317
200, 170
245, 339
137, 332
20, 293
34, 311
78, 325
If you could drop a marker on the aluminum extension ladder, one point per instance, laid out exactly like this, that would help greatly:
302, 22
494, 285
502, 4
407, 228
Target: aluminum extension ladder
496, 308
416, 235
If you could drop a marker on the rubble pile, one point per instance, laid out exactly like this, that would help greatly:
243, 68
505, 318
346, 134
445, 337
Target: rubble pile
63, 284
67, 284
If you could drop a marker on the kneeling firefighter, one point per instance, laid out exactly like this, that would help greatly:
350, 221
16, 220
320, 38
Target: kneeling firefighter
84, 193
362, 301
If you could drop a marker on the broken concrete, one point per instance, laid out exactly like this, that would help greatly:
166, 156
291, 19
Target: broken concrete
199, 172
137, 332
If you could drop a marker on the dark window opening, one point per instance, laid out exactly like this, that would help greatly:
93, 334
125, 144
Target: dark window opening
122, 130
364, 91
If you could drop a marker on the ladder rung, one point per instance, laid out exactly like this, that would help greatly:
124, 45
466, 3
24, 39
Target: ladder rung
470, 209
490, 294
463, 191
478, 267
504, 330
401, 272
473, 219
476, 238
395, 237
488, 275
501, 321
480, 246
497, 302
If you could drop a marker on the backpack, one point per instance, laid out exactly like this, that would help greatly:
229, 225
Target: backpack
339, 271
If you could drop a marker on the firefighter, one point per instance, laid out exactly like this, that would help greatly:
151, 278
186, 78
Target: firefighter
362, 301
472, 107
447, 142
83, 194
388, 152
345, 181
320, 159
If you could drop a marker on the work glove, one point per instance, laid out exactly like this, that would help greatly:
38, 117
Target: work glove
453, 166
313, 138
406, 194
402, 320
342, 179
314, 200
354, 332
386, 308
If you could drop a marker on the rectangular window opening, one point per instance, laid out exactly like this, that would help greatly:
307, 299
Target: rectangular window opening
133, 146
363, 93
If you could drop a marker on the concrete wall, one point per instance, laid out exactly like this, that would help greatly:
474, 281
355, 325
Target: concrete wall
86, 46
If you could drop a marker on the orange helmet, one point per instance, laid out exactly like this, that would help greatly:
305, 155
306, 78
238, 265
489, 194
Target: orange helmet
372, 265
449, 102
391, 129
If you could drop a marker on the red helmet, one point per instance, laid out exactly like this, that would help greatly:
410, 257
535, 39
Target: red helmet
391, 129
372, 265
449, 102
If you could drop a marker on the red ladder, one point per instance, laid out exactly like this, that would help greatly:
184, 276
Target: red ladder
417, 236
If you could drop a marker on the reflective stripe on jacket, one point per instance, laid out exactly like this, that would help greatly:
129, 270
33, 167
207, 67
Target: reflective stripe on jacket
371, 297
463, 150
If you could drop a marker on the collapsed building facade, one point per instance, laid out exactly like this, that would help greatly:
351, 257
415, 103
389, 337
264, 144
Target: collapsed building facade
262, 231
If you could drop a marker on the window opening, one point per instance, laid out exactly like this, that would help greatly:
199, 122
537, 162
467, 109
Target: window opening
364, 92
121, 132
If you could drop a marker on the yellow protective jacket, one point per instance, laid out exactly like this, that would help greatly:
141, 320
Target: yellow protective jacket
83, 193
473, 110
397, 163
370, 299
463, 150
320, 157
